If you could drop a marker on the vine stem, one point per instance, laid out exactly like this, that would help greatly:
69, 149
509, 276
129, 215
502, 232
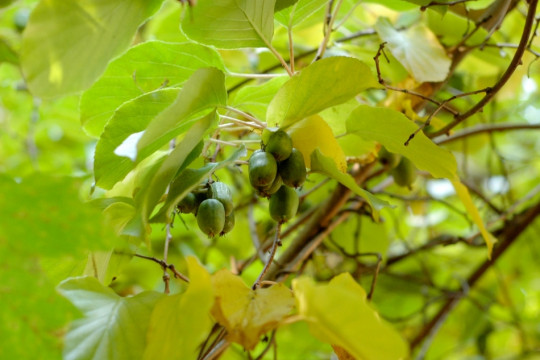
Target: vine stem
516, 60
246, 115
241, 122
271, 258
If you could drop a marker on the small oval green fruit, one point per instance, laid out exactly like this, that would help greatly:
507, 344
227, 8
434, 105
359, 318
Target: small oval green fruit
405, 173
283, 204
188, 204
262, 169
229, 224
220, 191
293, 170
211, 217
280, 145
269, 190
388, 159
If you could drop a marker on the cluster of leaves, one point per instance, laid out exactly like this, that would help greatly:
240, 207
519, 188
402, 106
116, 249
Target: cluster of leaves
172, 95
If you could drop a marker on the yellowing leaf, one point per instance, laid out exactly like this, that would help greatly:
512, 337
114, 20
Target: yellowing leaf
465, 197
247, 313
338, 314
312, 133
181, 322
417, 49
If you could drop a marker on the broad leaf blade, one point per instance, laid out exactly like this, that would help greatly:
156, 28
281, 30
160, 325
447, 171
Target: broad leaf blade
107, 318
230, 24
292, 16
391, 128
325, 165
142, 69
417, 49
132, 117
325, 83
338, 314
67, 44
255, 99
181, 322
247, 314
204, 90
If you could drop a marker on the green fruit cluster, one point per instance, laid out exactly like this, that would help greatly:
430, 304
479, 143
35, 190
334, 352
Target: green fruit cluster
213, 206
274, 173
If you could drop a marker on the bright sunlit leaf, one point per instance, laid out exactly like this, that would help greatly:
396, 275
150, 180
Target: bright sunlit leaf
323, 84
181, 322
248, 314
339, 314
314, 133
417, 49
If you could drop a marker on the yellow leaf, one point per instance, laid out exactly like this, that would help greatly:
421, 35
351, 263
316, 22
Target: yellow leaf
245, 313
465, 197
312, 133
338, 314
181, 322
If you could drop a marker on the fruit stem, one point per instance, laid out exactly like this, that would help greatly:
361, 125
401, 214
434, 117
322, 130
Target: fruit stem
277, 242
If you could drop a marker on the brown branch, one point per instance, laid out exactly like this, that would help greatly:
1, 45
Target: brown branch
516, 60
507, 236
277, 242
164, 266
479, 129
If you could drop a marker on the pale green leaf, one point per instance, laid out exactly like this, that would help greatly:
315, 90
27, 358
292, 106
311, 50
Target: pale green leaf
255, 98
142, 69
113, 327
67, 44
189, 179
450, 28
417, 49
246, 313
314, 133
323, 84
204, 90
339, 314
180, 322
7, 54
132, 117
327, 166
294, 15
230, 24
391, 128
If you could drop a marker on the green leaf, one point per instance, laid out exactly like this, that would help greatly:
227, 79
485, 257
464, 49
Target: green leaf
282, 4
230, 24
7, 54
142, 69
188, 180
181, 322
44, 215
391, 128
323, 84
294, 15
148, 197
132, 117
113, 327
5, 3
339, 314
327, 166
255, 99
204, 90
67, 44
417, 49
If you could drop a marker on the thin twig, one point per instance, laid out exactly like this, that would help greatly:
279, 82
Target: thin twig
255, 76
516, 60
246, 115
241, 122
329, 24
164, 265
479, 129
275, 245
